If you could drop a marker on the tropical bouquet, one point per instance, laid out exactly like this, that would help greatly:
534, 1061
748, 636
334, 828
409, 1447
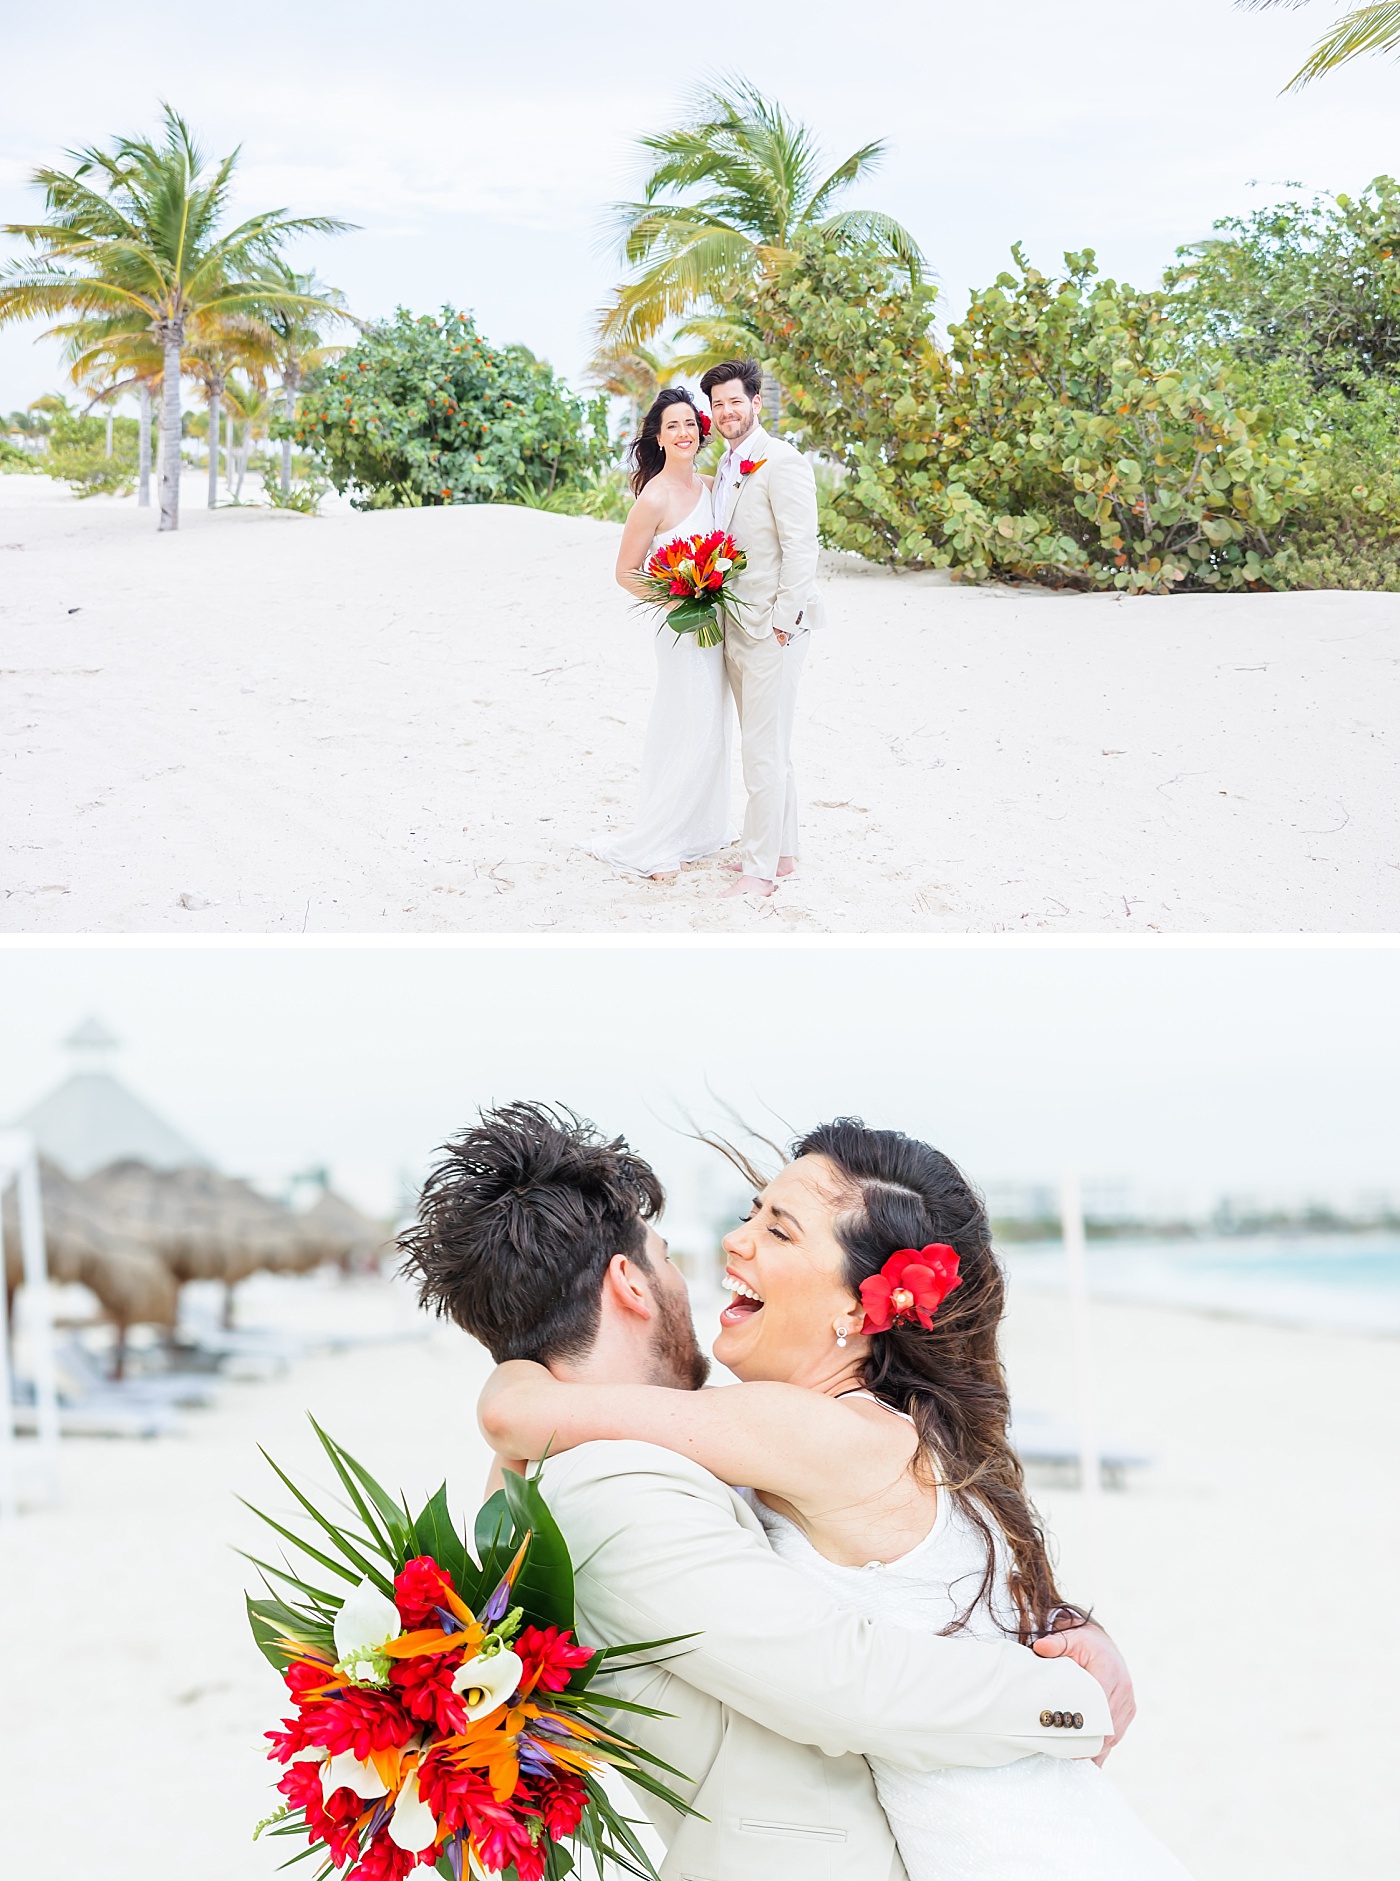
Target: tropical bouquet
442, 1715
697, 573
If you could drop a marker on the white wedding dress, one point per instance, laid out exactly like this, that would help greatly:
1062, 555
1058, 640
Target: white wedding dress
683, 809
1039, 1819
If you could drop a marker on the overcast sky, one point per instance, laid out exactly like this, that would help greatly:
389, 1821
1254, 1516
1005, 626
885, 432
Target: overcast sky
1182, 1069
476, 145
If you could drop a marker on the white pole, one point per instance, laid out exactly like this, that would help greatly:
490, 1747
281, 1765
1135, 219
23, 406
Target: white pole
1072, 1228
38, 1317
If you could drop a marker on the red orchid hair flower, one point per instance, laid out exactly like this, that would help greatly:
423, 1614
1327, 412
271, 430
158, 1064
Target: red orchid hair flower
910, 1287
704, 424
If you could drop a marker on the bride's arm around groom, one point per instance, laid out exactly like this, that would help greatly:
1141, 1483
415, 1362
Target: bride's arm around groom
782, 1694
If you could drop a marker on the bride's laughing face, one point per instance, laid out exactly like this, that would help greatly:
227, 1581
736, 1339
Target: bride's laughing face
785, 1270
679, 435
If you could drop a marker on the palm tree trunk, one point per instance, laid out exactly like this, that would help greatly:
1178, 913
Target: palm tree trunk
144, 447
109, 431
242, 463
216, 387
228, 451
170, 429
289, 391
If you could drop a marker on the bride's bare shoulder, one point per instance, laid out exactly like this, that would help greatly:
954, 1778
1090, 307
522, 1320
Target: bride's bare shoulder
650, 503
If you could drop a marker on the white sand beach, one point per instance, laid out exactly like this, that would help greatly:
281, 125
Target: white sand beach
1243, 1571
415, 721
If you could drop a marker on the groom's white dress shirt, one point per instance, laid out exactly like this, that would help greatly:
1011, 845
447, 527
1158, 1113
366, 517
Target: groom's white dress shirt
778, 1699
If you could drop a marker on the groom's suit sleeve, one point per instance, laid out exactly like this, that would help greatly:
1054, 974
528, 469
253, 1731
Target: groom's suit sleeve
659, 1549
792, 496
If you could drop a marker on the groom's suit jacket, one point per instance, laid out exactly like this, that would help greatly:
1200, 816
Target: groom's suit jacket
775, 1700
772, 516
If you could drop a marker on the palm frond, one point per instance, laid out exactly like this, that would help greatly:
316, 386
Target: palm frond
1365, 29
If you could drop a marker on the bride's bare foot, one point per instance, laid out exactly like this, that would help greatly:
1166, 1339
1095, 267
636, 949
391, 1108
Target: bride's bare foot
665, 875
786, 866
747, 885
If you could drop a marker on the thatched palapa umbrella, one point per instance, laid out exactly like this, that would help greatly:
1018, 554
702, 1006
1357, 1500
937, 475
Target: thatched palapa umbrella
132, 1284
343, 1235
203, 1225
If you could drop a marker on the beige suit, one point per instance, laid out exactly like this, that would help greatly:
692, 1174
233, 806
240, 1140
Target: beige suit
772, 515
781, 1692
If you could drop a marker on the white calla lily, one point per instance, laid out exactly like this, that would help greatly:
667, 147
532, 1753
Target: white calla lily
413, 1825
348, 1772
366, 1621
488, 1681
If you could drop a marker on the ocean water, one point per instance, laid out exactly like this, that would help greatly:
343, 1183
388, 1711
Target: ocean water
1347, 1283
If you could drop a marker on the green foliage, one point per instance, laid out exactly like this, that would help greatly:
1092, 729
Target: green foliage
15, 461
303, 499
1313, 286
1304, 298
1064, 438
77, 455
730, 190
423, 411
603, 494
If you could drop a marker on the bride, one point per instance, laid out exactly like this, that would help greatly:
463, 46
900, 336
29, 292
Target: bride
870, 1428
684, 803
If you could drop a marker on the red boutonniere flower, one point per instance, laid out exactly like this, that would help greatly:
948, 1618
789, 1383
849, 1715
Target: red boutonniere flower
748, 465
909, 1288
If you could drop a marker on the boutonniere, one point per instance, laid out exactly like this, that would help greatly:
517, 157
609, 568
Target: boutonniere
748, 465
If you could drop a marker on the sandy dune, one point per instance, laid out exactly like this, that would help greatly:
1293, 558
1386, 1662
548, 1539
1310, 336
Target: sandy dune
1239, 1571
413, 721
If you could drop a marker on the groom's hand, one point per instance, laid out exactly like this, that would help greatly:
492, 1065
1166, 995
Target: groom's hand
1091, 1647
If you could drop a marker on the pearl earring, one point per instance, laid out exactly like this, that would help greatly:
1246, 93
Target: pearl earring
842, 1329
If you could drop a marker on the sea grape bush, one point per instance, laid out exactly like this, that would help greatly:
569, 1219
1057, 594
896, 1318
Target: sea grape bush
1064, 436
424, 411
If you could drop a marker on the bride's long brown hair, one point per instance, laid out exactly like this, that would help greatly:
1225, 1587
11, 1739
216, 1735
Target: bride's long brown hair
647, 454
896, 1192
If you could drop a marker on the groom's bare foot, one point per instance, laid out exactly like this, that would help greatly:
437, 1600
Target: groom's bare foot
786, 866
747, 885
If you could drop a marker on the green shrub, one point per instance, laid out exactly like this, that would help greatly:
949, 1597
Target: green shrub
423, 411
1065, 437
15, 461
77, 455
603, 494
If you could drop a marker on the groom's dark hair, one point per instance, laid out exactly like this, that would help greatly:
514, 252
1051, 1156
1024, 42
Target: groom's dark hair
748, 370
517, 1224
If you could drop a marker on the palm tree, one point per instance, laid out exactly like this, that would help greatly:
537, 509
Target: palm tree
636, 373
250, 407
134, 234
1363, 29
730, 193
216, 349
297, 346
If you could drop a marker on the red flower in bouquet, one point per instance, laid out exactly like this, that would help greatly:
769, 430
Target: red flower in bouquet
420, 1588
561, 1802
352, 1719
331, 1820
384, 1860
550, 1657
423, 1687
909, 1288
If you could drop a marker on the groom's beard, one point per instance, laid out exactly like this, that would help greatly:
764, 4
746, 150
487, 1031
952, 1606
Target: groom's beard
677, 1360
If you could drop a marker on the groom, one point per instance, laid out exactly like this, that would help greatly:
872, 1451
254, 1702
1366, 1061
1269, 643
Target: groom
766, 497
533, 1234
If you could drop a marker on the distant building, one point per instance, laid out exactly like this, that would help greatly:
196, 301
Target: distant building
92, 1119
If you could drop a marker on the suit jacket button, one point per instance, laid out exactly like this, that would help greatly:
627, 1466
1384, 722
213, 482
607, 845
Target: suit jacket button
1047, 1718
1079, 1720
1060, 1719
